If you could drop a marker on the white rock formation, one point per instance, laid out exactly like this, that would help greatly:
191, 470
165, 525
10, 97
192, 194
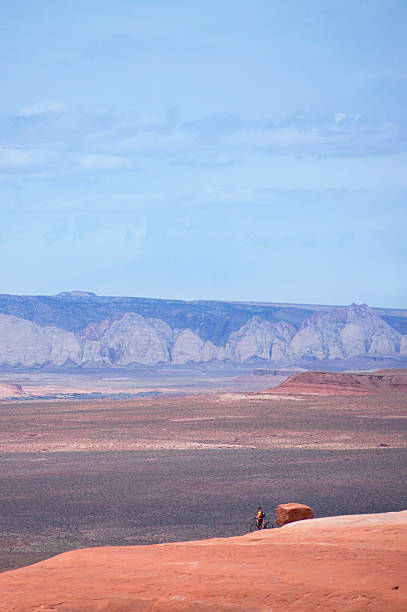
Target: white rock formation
366, 332
259, 338
134, 339
93, 354
128, 340
354, 340
25, 343
347, 333
188, 346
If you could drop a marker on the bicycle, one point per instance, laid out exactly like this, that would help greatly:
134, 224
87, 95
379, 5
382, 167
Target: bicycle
265, 525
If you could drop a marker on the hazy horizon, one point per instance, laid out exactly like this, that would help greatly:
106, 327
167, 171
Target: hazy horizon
225, 300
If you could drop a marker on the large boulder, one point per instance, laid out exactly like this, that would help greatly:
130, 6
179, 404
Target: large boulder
288, 513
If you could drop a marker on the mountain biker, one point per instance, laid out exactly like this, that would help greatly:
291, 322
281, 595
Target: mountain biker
260, 518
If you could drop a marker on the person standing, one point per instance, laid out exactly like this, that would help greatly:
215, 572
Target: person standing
260, 518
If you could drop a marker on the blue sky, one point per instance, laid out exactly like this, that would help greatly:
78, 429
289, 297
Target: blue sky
205, 150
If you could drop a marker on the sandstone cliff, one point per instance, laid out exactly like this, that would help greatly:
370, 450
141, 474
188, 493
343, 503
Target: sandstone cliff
130, 339
25, 343
259, 338
339, 334
288, 569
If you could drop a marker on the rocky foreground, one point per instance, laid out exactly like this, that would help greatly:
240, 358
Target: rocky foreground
348, 563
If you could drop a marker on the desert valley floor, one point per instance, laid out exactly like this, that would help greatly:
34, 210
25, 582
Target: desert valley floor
78, 474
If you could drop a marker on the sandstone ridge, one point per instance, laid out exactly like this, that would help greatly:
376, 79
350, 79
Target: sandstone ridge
343, 383
132, 339
292, 568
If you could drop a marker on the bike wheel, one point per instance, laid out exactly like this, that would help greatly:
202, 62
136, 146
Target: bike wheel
268, 525
253, 526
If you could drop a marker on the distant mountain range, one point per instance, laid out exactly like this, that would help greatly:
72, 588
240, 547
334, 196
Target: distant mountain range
80, 329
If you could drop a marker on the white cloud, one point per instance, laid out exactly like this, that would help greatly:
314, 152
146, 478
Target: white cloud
207, 159
87, 142
153, 142
42, 108
332, 135
104, 162
281, 139
338, 117
23, 158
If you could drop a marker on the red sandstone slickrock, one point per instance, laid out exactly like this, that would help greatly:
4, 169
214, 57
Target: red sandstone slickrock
288, 513
241, 574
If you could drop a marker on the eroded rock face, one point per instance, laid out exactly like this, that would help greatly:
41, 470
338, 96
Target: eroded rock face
25, 343
134, 339
259, 338
289, 513
318, 337
188, 346
127, 340
342, 334
343, 383
403, 345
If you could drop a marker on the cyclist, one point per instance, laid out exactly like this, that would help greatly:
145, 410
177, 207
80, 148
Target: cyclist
260, 518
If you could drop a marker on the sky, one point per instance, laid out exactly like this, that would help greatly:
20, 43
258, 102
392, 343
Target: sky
225, 150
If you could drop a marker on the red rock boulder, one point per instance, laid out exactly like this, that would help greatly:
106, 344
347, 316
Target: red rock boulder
288, 513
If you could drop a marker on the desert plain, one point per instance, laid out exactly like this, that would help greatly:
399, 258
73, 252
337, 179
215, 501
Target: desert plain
173, 468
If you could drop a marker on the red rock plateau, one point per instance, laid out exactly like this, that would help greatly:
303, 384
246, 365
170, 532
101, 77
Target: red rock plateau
348, 563
343, 383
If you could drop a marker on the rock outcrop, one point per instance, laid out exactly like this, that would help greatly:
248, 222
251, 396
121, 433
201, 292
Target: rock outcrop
289, 569
261, 339
25, 343
188, 347
343, 383
289, 513
340, 334
131, 339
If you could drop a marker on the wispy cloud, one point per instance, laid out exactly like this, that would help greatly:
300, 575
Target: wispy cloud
14, 159
103, 162
159, 142
42, 108
68, 141
207, 159
323, 135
